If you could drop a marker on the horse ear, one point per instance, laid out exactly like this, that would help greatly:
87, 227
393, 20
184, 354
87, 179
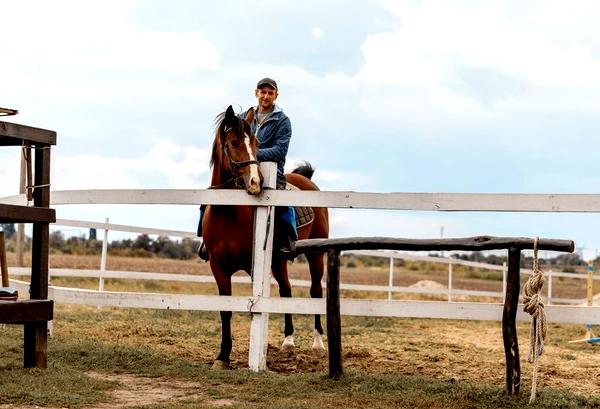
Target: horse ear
230, 115
250, 115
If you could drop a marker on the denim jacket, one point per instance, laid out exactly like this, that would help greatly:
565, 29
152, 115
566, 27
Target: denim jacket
273, 139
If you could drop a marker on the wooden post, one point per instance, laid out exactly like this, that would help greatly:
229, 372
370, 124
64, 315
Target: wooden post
3, 265
261, 273
29, 179
36, 334
334, 320
509, 327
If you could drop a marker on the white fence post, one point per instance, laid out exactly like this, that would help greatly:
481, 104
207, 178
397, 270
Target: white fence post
103, 259
391, 278
549, 287
261, 272
449, 281
504, 273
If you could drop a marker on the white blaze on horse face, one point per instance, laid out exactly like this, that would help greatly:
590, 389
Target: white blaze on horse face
254, 177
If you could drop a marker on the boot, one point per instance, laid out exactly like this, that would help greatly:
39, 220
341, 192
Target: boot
203, 252
288, 249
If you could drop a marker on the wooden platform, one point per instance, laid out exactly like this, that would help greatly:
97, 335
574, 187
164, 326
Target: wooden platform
26, 214
33, 314
15, 134
25, 311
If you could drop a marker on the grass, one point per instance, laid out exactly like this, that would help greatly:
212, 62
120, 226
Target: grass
179, 345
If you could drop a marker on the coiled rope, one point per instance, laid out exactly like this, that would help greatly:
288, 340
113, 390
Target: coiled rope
532, 298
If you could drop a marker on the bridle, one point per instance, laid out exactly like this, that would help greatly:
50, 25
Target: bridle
233, 164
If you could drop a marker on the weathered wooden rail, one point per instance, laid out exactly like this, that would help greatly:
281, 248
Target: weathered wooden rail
514, 245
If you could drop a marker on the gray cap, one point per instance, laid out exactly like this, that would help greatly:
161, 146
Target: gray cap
267, 81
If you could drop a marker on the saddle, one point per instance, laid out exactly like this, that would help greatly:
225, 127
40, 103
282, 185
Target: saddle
304, 215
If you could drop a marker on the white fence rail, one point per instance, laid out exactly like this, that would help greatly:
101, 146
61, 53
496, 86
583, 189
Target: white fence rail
368, 308
206, 279
471, 202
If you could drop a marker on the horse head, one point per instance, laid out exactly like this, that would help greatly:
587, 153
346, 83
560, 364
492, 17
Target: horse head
234, 153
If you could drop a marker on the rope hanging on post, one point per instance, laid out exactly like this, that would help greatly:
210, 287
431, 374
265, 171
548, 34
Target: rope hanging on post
29, 187
532, 298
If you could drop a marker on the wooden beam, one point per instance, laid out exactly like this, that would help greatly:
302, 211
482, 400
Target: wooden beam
36, 334
3, 265
334, 318
14, 134
509, 326
35, 345
467, 243
26, 214
40, 236
21, 312
8, 111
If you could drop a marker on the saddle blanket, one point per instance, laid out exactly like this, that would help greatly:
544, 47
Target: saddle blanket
304, 215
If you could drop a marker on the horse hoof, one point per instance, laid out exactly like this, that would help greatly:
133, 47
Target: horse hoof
288, 344
319, 352
317, 346
220, 365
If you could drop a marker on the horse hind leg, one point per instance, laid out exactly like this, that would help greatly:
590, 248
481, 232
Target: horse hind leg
315, 262
285, 290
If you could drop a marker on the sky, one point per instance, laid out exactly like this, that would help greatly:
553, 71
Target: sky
383, 96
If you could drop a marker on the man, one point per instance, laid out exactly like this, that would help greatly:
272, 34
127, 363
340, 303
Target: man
273, 129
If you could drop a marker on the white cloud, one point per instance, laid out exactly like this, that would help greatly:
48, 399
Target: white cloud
358, 222
98, 36
317, 33
168, 164
437, 39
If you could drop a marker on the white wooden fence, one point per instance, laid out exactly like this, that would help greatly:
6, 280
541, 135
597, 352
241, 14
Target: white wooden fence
390, 289
260, 304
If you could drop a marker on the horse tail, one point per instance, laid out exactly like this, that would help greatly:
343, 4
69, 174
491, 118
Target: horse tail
305, 170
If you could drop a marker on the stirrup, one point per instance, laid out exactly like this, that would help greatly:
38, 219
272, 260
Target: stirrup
203, 252
288, 250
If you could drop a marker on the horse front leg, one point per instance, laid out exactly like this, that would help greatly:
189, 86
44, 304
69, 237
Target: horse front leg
285, 290
315, 262
224, 283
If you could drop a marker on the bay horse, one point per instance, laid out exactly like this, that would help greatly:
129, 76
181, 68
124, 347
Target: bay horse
228, 230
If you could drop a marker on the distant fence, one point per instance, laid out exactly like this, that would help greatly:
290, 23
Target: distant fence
390, 289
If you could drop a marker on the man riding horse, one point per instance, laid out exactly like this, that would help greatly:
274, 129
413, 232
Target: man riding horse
273, 129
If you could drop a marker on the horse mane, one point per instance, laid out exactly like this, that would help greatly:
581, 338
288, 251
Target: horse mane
305, 169
215, 156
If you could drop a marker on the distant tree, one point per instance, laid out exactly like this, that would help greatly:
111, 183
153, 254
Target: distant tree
8, 229
144, 242
57, 240
93, 234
